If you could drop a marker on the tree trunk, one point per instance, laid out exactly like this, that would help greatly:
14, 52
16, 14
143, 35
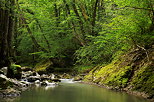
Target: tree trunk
6, 34
78, 16
77, 36
94, 16
4, 48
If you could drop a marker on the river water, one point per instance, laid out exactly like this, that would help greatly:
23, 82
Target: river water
74, 92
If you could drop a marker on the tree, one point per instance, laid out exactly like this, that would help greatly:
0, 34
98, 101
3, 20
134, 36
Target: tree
6, 30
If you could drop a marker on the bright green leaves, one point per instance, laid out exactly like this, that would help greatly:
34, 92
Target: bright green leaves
103, 28
125, 24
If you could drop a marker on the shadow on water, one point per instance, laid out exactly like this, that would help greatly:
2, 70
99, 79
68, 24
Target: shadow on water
74, 92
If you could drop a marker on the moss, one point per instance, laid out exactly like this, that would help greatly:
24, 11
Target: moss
43, 65
143, 79
83, 68
132, 69
110, 75
5, 84
15, 68
116, 77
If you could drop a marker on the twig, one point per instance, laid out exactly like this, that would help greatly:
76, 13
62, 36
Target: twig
145, 51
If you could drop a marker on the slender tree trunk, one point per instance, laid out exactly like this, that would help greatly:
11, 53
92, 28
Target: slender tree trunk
78, 16
11, 29
77, 36
40, 48
56, 14
46, 40
94, 16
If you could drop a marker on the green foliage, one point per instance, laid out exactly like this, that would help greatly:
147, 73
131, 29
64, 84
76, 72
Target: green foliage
52, 35
126, 25
15, 67
66, 28
129, 71
83, 68
111, 75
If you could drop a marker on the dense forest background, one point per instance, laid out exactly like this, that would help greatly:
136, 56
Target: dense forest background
73, 32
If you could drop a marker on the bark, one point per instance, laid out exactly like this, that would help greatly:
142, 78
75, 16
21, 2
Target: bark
78, 16
67, 7
4, 59
11, 29
23, 22
40, 48
77, 36
84, 13
101, 10
6, 32
56, 14
46, 40
94, 16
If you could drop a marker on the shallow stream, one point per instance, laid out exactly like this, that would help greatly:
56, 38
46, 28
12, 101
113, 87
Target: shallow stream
73, 92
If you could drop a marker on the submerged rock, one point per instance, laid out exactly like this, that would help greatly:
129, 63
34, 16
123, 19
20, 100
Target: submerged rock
46, 83
56, 80
10, 92
33, 78
37, 82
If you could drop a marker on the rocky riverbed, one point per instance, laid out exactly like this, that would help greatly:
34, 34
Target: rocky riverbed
11, 87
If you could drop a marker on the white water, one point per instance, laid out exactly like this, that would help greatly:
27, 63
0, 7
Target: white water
67, 81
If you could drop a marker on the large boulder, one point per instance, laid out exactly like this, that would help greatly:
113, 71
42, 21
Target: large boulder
25, 69
29, 73
56, 80
5, 82
18, 73
66, 76
4, 70
14, 71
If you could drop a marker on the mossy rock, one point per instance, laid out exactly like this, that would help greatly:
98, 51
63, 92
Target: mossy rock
14, 71
66, 76
43, 66
4, 84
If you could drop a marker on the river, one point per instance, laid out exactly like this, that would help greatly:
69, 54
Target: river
73, 92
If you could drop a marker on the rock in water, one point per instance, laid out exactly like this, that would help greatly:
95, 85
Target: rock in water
33, 78
46, 83
4, 70
56, 80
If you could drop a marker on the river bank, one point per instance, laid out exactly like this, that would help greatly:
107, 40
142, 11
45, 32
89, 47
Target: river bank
132, 73
134, 93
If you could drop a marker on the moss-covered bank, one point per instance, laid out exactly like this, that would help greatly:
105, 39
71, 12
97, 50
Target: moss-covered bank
132, 72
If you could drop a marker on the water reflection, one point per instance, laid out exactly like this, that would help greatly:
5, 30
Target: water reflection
13, 99
74, 92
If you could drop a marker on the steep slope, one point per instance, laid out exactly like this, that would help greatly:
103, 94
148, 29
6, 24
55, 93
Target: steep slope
132, 72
